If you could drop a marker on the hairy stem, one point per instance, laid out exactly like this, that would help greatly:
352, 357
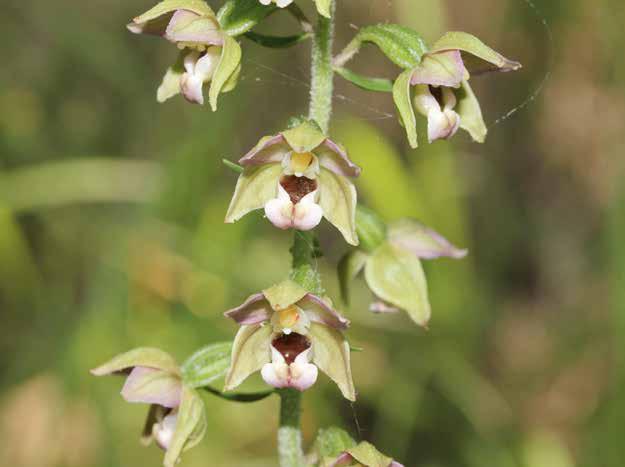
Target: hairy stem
322, 73
305, 248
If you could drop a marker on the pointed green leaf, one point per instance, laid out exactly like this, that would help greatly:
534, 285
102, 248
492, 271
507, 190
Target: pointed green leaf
403, 102
277, 42
239, 16
304, 137
331, 354
226, 68
250, 351
471, 118
207, 364
369, 456
143, 356
349, 267
284, 294
338, 199
333, 441
365, 82
170, 86
397, 277
255, 186
190, 426
488, 59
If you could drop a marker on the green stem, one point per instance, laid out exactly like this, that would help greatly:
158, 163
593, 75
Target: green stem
305, 248
322, 73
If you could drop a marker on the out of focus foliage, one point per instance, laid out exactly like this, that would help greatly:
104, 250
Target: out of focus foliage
112, 236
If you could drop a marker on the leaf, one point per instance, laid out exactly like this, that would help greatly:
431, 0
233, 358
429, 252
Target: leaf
398, 278
488, 59
471, 119
142, 356
400, 44
366, 454
239, 16
255, 186
403, 102
338, 198
331, 354
349, 267
277, 42
207, 364
250, 351
245, 398
227, 66
370, 227
190, 426
333, 441
365, 82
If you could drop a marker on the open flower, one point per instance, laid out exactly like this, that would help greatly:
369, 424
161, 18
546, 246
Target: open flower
390, 257
176, 419
289, 334
298, 177
441, 87
208, 54
363, 455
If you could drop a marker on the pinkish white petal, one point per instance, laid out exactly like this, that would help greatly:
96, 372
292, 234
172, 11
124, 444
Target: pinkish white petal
319, 311
307, 214
151, 386
380, 306
440, 69
421, 241
199, 70
276, 373
187, 26
443, 123
334, 158
254, 310
279, 211
302, 373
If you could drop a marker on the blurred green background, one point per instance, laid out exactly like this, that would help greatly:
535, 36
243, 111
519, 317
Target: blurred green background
112, 237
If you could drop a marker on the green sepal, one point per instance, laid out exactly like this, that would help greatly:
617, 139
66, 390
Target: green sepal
190, 426
403, 102
323, 7
207, 364
243, 397
143, 356
365, 82
332, 356
372, 230
304, 137
367, 455
338, 199
333, 441
349, 266
284, 294
277, 42
170, 86
250, 351
255, 186
397, 277
169, 6
239, 16
487, 58
470, 112
400, 44
228, 65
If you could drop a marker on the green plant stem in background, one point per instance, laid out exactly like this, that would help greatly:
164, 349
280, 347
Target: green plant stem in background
304, 250
322, 73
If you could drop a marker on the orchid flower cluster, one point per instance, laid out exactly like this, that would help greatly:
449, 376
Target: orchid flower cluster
291, 331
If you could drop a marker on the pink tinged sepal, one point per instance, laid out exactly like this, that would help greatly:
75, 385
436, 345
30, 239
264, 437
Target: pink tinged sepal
152, 386
382, 307
304, 215
299, 375
441, 69
421, 241
443, 121
319, 311
199, 70
190, 28
333, 157
254, 310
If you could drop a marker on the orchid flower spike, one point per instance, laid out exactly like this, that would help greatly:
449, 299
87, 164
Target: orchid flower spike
176, 419
298, 177
441, 90
289, 334
391, 258
207, 54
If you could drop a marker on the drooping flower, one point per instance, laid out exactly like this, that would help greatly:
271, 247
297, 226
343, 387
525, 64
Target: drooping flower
391, 258
298, 177
438, 87
288, 335
207, 53
176, 420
